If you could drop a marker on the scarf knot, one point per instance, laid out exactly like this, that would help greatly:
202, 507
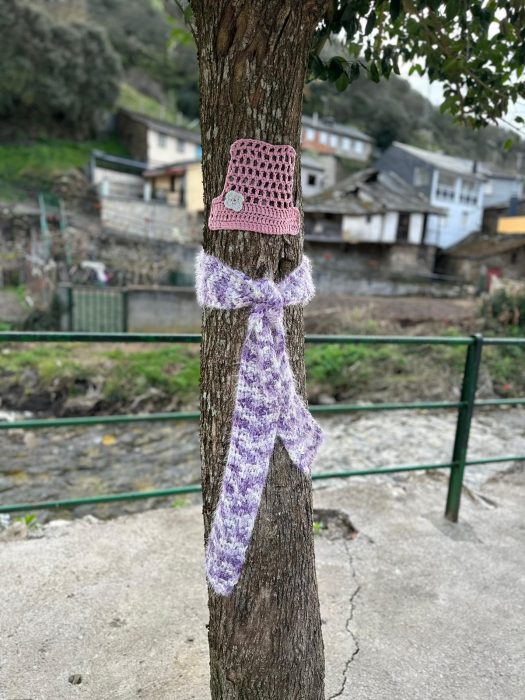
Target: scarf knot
267, 406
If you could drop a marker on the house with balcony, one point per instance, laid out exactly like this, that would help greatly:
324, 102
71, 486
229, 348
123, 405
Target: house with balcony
454, 185
328, 138
177, 184
371, 224
157, 142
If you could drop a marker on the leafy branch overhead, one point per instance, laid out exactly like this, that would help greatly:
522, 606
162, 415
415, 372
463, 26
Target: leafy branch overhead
476, 49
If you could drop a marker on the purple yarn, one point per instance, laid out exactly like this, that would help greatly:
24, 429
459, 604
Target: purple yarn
267, 406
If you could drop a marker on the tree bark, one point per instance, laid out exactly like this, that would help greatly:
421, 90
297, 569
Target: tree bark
265, 639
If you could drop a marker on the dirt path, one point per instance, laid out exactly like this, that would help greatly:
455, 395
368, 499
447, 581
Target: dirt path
404, 311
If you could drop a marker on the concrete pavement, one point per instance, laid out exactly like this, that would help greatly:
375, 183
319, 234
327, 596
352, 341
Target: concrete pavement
413, 608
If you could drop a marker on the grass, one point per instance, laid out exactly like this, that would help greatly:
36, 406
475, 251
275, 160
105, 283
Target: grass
174, 370
50, 364
349, 373
29, 166
20, 292
132, 99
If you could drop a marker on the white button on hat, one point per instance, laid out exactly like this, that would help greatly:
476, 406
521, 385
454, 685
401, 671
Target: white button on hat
233, 200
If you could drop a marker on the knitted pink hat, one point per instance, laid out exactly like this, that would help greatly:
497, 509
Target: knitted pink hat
257, 194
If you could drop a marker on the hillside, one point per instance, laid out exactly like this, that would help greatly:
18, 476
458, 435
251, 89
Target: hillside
45, 132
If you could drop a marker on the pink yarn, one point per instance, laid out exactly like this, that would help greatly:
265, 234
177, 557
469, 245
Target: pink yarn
260, 180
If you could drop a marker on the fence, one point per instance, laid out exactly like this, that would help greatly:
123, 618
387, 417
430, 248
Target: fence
98, 309
465, 408
137, 308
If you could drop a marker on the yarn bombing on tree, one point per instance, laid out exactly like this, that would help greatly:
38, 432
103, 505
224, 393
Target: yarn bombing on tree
258, 191
267, 406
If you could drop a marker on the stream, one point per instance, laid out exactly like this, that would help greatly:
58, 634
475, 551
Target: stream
40, 465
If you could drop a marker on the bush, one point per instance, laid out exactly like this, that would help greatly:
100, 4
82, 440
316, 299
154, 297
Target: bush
45, 319
506, 309
54, 73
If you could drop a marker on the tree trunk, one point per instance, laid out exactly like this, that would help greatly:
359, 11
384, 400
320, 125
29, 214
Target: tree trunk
265, 639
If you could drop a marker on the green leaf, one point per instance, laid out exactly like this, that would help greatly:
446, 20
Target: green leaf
374, 72
395, 64
317, 68
416, 68
452, 9
519, 120
370, 22
386, 67
395, 9
342, 82
354, 71
335, 69
179, 35
508, 144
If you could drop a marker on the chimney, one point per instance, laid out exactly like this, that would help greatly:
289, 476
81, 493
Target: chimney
474, 166
316, 118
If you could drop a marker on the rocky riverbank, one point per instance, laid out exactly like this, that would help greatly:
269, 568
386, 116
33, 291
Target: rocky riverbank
39, 465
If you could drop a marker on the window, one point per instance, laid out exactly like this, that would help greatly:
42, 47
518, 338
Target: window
162, 140
181, 146
421, 176
359, 146
446, 187
334, 140
347, 143
469, 192
310, 134
323, 137
464, 219
402, 226
311, 180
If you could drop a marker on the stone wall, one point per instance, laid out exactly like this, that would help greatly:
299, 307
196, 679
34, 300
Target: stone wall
163, 310
138, 261
368, 269
136, 217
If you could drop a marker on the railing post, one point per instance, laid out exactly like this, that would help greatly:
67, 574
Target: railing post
459, 455
70, 310
125, 310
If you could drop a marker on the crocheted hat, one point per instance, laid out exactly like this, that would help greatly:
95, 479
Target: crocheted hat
257, 194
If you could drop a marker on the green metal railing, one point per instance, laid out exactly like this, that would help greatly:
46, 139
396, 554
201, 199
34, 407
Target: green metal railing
465, 409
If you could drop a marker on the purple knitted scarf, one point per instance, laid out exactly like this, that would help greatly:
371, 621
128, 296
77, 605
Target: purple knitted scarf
267, 405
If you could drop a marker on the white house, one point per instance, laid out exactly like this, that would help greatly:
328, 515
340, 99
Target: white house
313, 175
157, 142
370, 206
327, 137
453, 184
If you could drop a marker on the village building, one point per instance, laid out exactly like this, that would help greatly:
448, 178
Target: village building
496, 250
327, 137
178, 184
371, 224
452, 184
114, 176
461, 186
313, 175
501, 186
157, 142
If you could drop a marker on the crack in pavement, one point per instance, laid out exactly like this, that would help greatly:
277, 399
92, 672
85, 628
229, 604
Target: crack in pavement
347, 626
